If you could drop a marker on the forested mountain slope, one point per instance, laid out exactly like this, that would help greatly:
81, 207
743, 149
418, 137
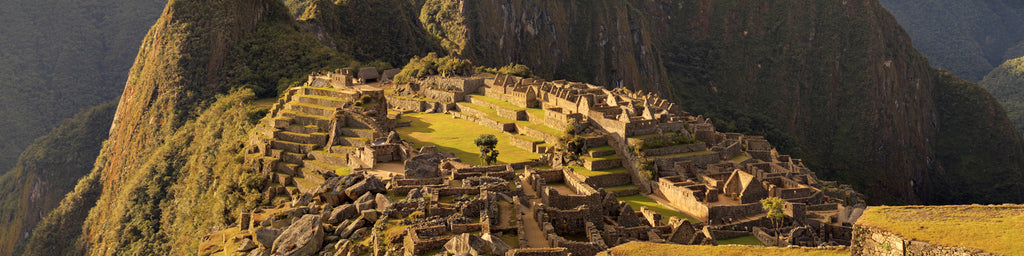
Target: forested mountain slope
58, 57
836, 83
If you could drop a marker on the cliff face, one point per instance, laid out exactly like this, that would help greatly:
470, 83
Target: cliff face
46, 171
836, 83
170, 169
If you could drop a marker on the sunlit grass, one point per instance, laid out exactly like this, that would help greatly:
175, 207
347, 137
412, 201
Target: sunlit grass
652, 249
456, 136
636, 201
995, 229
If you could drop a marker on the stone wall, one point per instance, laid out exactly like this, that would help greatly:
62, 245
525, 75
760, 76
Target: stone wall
682, 199
677, 149
523, 143
538, 252
701, 160
526, 130
735, 211
602, 164
609, 180
577, 182
406, 104
876, 241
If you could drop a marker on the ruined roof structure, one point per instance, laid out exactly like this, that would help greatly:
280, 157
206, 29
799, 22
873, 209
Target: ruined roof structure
389, 169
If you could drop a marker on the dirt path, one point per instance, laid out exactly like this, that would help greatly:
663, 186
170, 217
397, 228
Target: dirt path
535, 237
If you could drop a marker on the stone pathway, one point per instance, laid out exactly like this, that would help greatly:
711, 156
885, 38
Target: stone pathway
535, 237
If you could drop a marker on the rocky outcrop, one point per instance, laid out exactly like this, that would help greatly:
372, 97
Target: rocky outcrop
304, 237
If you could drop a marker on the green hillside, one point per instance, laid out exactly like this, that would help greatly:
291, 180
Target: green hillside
969, 38
48, 169
58, 57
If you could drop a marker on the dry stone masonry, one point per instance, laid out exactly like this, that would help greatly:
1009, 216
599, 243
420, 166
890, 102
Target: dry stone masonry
342, 181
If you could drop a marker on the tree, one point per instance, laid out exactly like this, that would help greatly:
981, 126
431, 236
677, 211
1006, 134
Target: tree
773, 207
487, 142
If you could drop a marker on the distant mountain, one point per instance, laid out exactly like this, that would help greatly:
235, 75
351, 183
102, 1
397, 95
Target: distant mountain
58, 57
47, 170
1006, 83
968, 38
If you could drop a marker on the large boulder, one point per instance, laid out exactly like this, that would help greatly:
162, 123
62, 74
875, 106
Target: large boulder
358, 223
383, 202
366, 202
304, 237
265, 236
368, 184
468, 244
370, 215
342, 213
498, 247
423, 166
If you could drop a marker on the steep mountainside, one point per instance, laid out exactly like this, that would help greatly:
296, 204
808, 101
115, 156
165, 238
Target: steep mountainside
58, 57
836, 83
1006, 83
47, 170
969, 38
170, 169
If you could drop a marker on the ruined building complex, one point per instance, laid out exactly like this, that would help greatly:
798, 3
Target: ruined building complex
610, 166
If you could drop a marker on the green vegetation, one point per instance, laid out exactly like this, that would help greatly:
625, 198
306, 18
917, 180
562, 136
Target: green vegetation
510, 69
55, 161
61, 57
647, 248
994, 229
773, 211
457, 136
432, 65
1005, 83
636, 201
592, 173
442, 19
743, 240
968, 38
486, 143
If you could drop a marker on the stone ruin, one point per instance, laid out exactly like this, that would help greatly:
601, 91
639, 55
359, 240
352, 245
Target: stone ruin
326, 147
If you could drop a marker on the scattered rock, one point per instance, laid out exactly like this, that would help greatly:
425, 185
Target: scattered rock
498, 247
370, 215
342, 213
265, 236
302, 200
368, 184
304, 237
341, 227
365, 202
352, 228
260, 252
422, 166
383, 202
360, 234
466, 244
246, 245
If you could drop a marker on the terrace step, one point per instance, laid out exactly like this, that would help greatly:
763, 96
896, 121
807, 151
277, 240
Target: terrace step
287, 168
602, 163
334, 159
326, 101
601, 151
356, 132
311, 109
300, 148
353, 141
319, 139
293, 158
307, 129
282, 178
321, 167
300, 118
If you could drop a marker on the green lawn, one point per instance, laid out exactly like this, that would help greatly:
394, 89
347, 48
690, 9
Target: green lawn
666, 212
589, 173
688, 154
651, 136
620, 188
994, 229
743, 240
456, 136
542, 128
601, 149
651, 249
496, 102
538, 112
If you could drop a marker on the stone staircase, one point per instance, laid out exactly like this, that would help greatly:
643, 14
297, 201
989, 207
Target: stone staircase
294, 143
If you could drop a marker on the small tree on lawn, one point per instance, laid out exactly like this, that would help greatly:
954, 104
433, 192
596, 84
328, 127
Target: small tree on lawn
487, 142
773, 207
